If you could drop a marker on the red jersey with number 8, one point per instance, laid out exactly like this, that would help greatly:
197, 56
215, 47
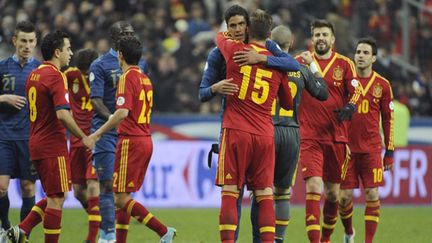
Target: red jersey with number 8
135, 93
249, 110
47, 92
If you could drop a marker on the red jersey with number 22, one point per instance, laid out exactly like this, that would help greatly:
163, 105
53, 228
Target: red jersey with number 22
135, 93
250, 109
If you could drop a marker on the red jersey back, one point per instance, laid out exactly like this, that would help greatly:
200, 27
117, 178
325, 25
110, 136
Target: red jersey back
81, 106
250, 109
135, 93
46, 90
318, 120
376, 100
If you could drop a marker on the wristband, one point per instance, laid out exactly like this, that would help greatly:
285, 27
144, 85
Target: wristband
313, 67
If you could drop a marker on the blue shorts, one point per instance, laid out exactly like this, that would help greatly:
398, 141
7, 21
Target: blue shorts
104, 157
15, 160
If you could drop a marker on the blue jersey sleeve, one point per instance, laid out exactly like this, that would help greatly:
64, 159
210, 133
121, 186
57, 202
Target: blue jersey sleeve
144, 67
96, 78
214, 71
281, 60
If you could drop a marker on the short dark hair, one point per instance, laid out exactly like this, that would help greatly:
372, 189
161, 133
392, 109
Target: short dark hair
319, 23
51, 42
84, 57
24, 26
370, 41
131, 49
260, 25
116, 30
236, 10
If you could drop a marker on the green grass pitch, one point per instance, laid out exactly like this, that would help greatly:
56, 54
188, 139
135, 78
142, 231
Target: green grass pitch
397, 225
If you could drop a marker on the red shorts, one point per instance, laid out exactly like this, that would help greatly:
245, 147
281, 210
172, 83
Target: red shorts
81, 165
323, 159
245, 156
54, 174
365, 166
132, 159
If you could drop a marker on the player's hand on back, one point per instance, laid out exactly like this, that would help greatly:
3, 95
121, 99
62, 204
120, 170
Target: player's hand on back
225, 87
307, 57
14, 100
248, 56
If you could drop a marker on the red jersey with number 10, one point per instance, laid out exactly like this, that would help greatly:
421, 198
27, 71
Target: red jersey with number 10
47, 92
318, 120
376, 100
249, 110
135, 93
82, 109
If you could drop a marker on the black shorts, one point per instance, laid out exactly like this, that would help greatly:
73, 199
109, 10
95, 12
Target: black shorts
287, 144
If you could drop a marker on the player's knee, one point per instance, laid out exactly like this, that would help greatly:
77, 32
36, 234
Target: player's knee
93, 188
27, 188
345, 197
268, 191
332, 196
106, 186
282, 191
3, 192
371, 194
314, 184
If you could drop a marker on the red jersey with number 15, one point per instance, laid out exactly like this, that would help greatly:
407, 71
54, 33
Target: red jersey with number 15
135, 93
249, 110
47, 92
79, 94
376, 101
318, 120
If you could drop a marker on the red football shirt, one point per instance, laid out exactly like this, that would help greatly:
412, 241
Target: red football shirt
376, 100
135, 93
250, 109
318, 120
79, 94
46, 90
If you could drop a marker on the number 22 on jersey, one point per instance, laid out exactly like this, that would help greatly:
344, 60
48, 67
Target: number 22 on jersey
147, 99
282, 111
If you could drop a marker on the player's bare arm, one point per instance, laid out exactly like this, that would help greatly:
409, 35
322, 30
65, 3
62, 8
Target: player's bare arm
100, 108
118, 116
225, 87
66, 118
14, 100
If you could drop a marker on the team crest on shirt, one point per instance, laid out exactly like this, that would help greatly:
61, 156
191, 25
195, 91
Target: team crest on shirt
91, 77
75, 87
338, 73
120, 101
377, 91
391, 105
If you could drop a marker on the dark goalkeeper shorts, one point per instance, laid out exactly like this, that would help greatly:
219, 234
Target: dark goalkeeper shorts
287, 145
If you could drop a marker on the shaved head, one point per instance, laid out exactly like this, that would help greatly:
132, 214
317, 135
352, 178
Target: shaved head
282, 36
120, 29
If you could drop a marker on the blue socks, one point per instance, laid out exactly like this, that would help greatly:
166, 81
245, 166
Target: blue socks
27, 205
4, 211
107, 211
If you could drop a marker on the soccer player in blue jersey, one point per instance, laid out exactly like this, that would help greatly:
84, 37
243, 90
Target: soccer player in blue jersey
214, 81
104, 75
14, 122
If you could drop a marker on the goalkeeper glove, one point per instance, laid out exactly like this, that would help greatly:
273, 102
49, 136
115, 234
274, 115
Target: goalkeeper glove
346, 112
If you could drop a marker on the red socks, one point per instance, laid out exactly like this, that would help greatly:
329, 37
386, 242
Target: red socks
122, 225
372, 213
94, 218
138, 211
330, 212
34, 217
228, 216
346, 214
52, 225
266, 218
313, 216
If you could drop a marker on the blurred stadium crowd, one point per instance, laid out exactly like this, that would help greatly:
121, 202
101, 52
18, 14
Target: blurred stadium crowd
178, 34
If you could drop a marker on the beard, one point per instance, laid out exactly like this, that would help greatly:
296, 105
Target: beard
323, 50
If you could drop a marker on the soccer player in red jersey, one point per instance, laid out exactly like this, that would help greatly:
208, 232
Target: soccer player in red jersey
135, 146
365, 142
83, 175
247, 145
324, 131
48, 99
